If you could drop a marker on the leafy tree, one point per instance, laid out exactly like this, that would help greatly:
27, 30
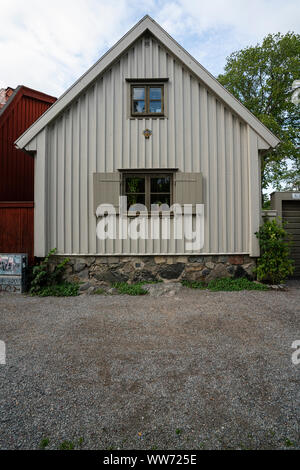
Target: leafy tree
261, 77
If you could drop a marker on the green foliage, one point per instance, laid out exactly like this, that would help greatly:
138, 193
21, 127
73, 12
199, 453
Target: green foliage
130, 289
133, 289
133, 184
67, 445
100, 291
261, 78
44, 443
71, 445
46, 282
266, 202
239, 284
65, 289
80, 441
225, 284
289, 443
274, 264
194, 284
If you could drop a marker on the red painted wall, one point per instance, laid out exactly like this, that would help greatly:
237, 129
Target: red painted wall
16, 166
16, 228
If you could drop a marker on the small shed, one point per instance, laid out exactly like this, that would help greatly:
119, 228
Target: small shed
287, 206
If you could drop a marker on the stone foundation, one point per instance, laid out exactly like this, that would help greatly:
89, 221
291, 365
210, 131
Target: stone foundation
102, 270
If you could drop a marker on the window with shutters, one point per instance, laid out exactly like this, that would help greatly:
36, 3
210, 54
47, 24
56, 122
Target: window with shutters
148, 189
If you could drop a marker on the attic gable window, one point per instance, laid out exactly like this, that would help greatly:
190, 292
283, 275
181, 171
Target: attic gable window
147, 100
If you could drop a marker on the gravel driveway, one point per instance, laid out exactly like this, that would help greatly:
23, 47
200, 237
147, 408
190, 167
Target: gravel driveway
196, 370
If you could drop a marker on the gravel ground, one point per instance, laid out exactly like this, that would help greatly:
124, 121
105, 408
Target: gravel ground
196, 370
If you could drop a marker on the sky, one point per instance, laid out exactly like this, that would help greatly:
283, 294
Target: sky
47, 45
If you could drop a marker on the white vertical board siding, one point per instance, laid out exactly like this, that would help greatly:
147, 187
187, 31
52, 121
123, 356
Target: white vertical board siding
95, 134
41, 228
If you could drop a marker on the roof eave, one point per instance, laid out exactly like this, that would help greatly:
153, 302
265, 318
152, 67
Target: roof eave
147, 23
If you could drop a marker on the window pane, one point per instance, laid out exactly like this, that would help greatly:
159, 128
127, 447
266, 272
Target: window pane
139, 106
155, 107
160, 185
135, 199
155, 93
138, 93
160, 199
134, 184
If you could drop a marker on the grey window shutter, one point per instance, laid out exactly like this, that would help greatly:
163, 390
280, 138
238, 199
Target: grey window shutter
188, 188
106, 189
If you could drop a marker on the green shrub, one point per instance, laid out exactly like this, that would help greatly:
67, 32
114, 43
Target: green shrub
274, 264
50, 283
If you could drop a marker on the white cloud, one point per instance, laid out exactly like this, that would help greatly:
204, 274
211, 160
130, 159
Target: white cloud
48, 45
249, 19
226, 26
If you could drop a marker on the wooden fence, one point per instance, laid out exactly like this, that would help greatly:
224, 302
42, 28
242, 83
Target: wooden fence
17, 228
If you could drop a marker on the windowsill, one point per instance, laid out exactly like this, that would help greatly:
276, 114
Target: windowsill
160, 214
147, 80
148, 170
148, 116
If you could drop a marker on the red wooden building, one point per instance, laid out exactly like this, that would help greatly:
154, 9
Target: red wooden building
19, 108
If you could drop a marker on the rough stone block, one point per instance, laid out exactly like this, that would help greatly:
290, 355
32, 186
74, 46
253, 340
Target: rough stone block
236, 259
171, 271
205, 272
101, 260
83, 274
195, 267
90, 260
112, 276
181, 259
210, 265
218, 272
240, 272
84, 286
113, 260
144, 275
79, 266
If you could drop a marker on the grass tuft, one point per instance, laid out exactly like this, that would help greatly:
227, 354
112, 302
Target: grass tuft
226, 284
44, 443
100, 291
130, 289
66, 289
133, 289
67, 445
194, 284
